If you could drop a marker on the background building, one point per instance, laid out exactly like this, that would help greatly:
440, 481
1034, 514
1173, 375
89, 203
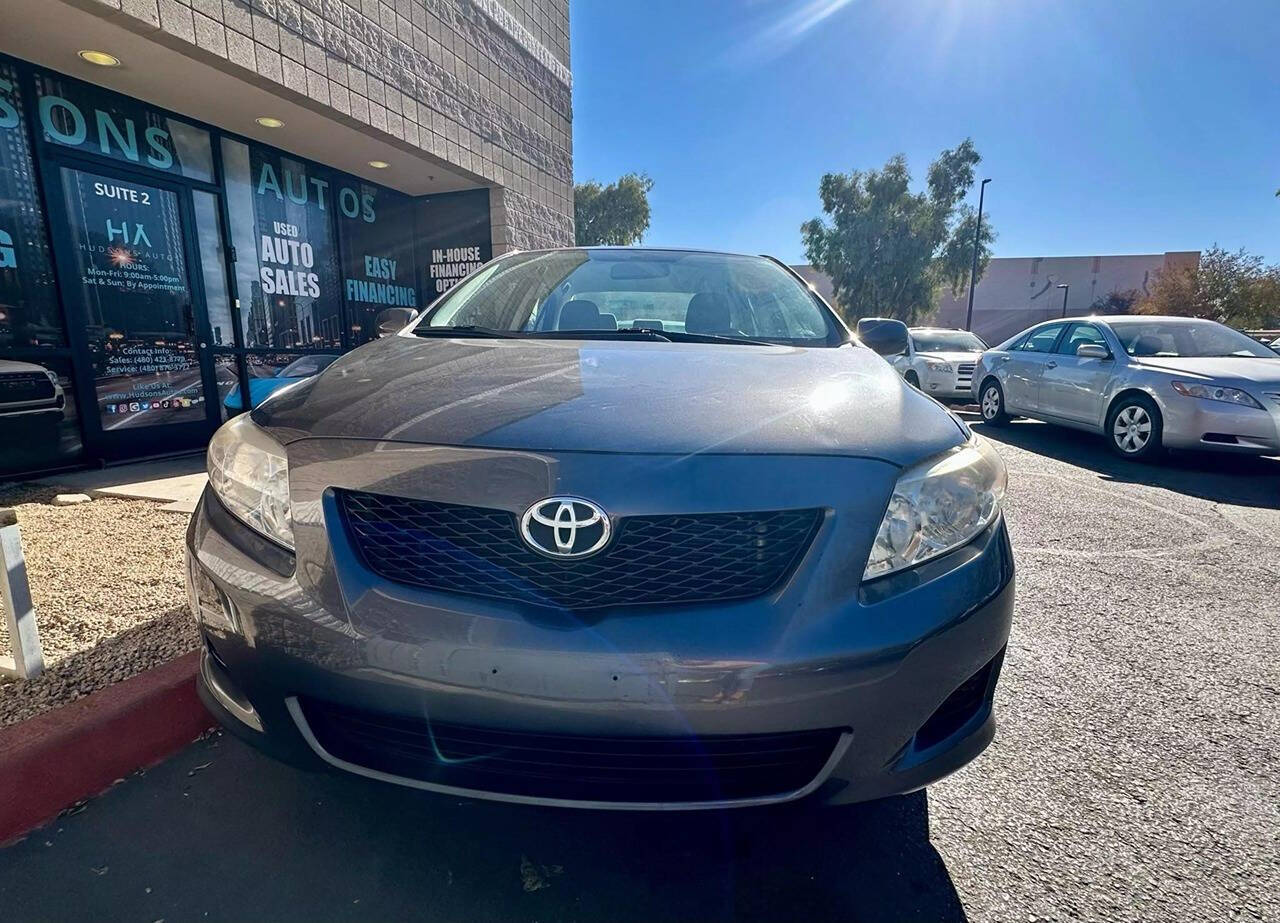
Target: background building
246, 187
1016, 292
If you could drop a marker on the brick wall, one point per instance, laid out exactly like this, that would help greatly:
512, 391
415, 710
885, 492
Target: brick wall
483, 85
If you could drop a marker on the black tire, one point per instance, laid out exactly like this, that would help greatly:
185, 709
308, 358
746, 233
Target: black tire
1135, 429
991, 403
913, 379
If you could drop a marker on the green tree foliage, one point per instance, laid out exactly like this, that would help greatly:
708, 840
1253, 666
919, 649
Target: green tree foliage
616, 214
889, 251
1117, 302
1233, 288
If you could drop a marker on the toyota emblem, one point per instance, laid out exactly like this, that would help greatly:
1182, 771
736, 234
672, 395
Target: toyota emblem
565, 527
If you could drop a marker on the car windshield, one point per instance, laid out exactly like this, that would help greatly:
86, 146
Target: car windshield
946, 341
1188, 339
658, 294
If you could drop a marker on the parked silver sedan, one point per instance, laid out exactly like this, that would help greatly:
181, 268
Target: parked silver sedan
1147, 383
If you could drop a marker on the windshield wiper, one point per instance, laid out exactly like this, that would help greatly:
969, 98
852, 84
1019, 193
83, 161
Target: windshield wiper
651, 333
647, 333
681, 337
463, 330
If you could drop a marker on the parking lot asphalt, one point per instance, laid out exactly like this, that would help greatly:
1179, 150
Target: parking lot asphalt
1135, 774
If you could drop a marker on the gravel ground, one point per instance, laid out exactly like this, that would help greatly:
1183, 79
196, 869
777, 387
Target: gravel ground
1134, 776
106, 577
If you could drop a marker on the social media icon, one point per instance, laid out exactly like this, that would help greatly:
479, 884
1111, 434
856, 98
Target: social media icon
135, 406
111, 408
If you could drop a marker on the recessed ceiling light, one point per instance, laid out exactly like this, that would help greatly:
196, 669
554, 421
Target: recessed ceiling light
267, 121
100, 58
379, 164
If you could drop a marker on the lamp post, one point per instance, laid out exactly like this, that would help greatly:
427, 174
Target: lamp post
1065, 288
977, 238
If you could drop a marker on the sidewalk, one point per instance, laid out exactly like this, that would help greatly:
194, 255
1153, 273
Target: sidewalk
177, 481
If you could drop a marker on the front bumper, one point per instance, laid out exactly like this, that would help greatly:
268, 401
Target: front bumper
1192, 423
905, 674
954, 385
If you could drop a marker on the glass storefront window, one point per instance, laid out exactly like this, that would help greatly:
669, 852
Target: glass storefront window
29, 314
375, 228
213, 268
95, 121
226, 370
130, 262
39, 422
286, 258
269, 372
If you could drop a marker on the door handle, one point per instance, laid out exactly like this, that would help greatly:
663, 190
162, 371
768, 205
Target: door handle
1052, 364
1005, 358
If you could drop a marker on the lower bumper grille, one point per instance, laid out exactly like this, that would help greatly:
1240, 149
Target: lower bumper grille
573, 767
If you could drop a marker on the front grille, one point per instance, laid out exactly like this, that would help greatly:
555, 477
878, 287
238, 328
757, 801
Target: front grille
580, 768
653, 560
20, 387
964, 373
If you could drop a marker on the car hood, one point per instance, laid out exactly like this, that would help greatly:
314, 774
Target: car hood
951, 356
12, 366
610, 396
1235, 368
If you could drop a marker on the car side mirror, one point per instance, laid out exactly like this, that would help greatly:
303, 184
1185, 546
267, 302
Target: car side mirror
886, 336
1092, 351
393, 320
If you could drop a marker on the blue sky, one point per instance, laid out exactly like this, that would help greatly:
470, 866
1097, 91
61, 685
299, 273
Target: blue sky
1107, 126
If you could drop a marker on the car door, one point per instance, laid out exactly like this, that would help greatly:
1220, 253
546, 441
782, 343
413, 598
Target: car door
1024, 364
1071, 386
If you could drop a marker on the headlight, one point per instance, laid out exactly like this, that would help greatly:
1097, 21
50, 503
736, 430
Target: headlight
53, 376
935, 366
1216, 393
938, 505
249, 473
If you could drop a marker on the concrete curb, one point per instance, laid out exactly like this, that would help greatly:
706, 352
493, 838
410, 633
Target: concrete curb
53, 760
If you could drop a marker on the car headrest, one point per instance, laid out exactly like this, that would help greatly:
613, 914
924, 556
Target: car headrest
708, 312
580, 314
1147, 345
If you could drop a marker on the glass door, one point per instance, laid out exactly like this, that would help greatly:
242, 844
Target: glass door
136, 312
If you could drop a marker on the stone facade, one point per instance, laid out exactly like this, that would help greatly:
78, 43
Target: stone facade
483, 86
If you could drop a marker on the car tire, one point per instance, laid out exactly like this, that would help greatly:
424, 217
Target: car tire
913, 379
991, 403
1135, 429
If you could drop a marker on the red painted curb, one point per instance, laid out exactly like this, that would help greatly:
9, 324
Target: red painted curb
53, 760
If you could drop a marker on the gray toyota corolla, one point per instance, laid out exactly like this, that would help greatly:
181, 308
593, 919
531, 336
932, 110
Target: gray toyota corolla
609, 528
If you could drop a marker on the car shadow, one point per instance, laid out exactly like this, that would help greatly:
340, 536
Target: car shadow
862, 862
276, 843
1241, 480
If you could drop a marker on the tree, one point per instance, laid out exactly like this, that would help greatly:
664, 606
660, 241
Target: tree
889, 251
1232, 288
1116, 302
616, 214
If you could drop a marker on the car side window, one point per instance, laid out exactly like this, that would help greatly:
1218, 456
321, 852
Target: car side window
1079, 335
1042, 340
